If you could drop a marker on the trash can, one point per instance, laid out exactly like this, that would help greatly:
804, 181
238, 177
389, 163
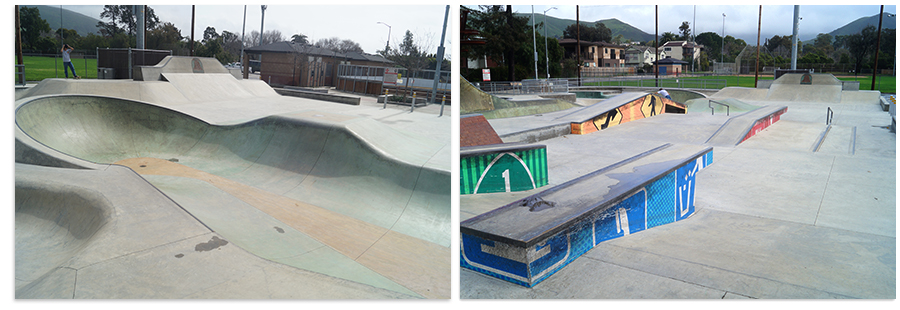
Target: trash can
106, 73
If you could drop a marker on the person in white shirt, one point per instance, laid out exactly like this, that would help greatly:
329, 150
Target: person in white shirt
664, 93
67, 62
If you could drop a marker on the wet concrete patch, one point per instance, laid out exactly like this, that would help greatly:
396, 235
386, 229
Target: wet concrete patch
212, 244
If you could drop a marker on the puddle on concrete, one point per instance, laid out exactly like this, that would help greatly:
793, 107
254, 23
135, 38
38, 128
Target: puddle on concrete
212, 244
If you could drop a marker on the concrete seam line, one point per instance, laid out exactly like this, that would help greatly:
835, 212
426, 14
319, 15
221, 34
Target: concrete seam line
825, 190
705, 266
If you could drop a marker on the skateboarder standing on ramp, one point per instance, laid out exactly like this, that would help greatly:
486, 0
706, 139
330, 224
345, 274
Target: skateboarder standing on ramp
67, 62
661, 91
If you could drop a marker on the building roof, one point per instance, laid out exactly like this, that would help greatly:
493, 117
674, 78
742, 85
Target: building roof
671, 61
641, 49
589, 43
306, 49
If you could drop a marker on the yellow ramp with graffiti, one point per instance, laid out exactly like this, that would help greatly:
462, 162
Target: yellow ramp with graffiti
622, 109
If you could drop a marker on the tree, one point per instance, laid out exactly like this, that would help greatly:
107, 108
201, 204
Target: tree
597, 33
123, 20
210, 34
685, 30
408, 47
667, 37
69, 36
503, 33
165, 37
32, 26
271, 36
300, 39
861, 44
411, 54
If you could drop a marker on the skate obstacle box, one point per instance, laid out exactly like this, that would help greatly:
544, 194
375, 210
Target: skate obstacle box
528, 240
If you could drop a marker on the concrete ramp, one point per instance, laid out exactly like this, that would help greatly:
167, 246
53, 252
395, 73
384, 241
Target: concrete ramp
619, 109
340, 195
216, 87
741, 93
804, 93
179, 64
741, 127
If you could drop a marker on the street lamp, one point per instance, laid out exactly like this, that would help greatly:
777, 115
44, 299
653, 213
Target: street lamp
547, 56
387, 44
723, 38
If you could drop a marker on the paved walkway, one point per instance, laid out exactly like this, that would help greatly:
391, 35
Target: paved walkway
774, 219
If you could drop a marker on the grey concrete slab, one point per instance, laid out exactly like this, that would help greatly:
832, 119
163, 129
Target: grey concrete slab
775, 220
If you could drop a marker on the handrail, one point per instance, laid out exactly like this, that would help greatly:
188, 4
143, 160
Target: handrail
727, 107
828, 116
20, 74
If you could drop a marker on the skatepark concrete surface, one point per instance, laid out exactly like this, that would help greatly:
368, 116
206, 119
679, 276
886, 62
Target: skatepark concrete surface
798, 211
200, 185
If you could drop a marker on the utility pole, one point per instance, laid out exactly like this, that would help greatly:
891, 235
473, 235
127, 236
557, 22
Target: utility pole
262, 23
578, 40
534, 43
877, 47
758, 29
139, 25
546, 55
794, 37
656, 40
244, 62
440, 59
193, 18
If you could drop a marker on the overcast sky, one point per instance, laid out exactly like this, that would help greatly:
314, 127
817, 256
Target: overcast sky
741, 21
345, 21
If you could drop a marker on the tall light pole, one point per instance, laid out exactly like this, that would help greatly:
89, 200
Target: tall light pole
262, 23
547, 56
534, 42
386, 44
794, 37
723, 38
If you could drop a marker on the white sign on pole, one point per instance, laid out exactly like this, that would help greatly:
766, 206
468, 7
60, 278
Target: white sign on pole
390, 76
486, 75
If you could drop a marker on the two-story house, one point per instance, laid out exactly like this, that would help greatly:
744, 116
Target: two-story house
638, 56
682, 50
595, 54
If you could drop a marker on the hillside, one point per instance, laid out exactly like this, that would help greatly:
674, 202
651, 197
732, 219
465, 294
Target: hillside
555, 27
70, 20
887, 22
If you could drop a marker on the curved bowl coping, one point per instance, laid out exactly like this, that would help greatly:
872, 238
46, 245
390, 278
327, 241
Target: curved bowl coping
318, 162
54, 222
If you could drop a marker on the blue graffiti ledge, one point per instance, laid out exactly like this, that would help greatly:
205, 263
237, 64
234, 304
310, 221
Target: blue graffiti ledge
528, 240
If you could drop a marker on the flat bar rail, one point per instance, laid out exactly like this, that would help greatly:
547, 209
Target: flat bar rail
727, 107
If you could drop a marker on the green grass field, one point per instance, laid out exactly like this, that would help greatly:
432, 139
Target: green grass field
38, 68
885, 83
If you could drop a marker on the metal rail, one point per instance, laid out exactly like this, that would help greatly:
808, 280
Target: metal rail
828, 116
727, 107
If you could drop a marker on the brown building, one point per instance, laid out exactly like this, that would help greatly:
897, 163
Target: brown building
595, 54
294, 64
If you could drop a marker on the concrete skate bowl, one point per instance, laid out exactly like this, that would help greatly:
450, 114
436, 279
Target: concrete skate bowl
53, 224
309, 189
473, 100
683, 95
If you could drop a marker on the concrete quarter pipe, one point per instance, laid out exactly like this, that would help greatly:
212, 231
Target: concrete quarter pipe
338, 195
